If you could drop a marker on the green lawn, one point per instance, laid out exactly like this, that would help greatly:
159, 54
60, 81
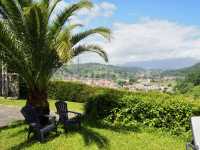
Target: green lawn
89, 137
72, 106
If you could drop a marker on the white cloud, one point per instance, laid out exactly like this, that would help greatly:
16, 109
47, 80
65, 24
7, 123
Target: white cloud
150, 39
103, 9
108, 9
85, 16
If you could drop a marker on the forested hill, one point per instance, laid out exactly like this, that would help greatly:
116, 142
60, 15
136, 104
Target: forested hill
183, 71
111, 71
100, 67
100, 70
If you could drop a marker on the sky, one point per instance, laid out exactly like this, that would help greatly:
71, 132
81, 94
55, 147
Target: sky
155, 32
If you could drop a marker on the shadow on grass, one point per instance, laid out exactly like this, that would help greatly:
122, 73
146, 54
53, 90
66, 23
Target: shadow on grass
109, 126
23, 145
87, 131
24, 130
90, 137
15, 124
28, 143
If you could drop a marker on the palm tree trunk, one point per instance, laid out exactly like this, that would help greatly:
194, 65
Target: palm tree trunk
39, 100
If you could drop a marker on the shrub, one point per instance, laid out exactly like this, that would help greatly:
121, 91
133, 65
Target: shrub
76, 91
194, 92
100, 105
183, 86
71, 91
149, 109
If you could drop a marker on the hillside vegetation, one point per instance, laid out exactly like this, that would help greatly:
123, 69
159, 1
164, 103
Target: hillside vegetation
96, 70
183, 71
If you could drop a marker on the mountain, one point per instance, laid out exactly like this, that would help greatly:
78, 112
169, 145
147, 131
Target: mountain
96, 70
164, 64
99, 71
183, 71
97, 67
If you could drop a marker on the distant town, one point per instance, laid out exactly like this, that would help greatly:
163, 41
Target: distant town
129, 78
162, 84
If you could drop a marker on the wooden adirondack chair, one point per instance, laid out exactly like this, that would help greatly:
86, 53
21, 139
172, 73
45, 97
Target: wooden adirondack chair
32, 118
63, 113
195, 144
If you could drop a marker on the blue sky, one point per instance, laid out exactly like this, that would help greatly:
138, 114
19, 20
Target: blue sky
146, 30
182, 11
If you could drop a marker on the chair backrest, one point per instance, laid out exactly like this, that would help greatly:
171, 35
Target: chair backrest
62, 109
195, 122
30, 114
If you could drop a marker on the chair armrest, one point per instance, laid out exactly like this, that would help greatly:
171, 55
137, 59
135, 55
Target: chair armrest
34, 126
49, 116
77, 113
52, 119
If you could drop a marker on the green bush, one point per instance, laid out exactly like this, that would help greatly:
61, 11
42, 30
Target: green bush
76, 91
100, 105
183, 86
149, 109
194, 92
71, 91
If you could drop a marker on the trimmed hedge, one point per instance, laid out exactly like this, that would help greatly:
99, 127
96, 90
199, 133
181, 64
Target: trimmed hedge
100, 106
76, 91
149, 109
70, 91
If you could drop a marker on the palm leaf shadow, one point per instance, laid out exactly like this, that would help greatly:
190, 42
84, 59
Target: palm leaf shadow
90, 136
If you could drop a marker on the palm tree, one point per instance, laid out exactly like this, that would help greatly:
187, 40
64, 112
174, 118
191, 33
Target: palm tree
35, 46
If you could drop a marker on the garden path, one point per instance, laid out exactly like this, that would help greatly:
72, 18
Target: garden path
9, 114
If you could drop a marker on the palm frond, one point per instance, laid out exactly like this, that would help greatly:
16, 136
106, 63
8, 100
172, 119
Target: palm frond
14, 14
89, 48
66, 14
63, 44
37, 26
45, 2
2, 12
81, 36
65, 34
52, 6
71, 27
25, 3
11, 50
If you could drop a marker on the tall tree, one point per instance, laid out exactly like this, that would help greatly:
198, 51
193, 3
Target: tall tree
36, 45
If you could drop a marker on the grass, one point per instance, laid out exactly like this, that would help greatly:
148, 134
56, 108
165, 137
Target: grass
90, 137
72, 106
